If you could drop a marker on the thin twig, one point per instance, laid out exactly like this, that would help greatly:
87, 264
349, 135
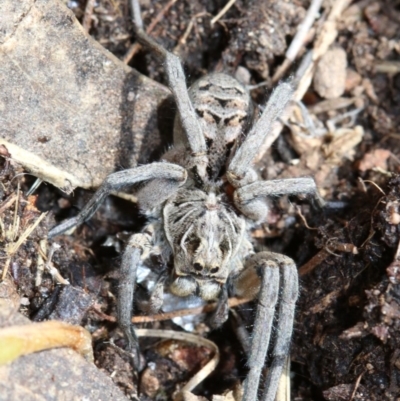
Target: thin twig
34, 187
313, 262
15, 225
305, 72
299, 39
298, 209
375, 185
8, 202
51, 268
227, 6
133, 49
232, 302
192, 338
186, 34
96, 308
357, 383
87, 17
329, 249
387, 67
13, 247
188, 30
40, 265
397, 255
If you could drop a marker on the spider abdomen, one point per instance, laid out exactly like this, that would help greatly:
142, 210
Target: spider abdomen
224, 109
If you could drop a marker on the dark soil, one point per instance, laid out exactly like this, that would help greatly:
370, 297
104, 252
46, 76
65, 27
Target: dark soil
347, 334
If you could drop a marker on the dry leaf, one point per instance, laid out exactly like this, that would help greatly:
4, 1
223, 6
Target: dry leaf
374, 159
60, 373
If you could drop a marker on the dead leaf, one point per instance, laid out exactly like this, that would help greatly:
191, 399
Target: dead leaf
339, 392
374, 159
342, 144
16, 341
60, 373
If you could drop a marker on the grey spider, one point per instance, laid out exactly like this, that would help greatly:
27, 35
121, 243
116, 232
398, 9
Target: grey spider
201, 201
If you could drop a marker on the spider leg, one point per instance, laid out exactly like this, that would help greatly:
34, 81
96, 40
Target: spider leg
172, 175
177, 85
288, 298
267, 300
249, 198
238, 172
156, 299
277, 272
137, 248
221, 314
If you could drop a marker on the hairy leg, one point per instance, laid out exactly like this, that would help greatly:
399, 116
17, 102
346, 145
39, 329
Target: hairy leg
250, 198
173, 177
221, 314
238, 172
177, 85
284, 329
277, 272
138, 248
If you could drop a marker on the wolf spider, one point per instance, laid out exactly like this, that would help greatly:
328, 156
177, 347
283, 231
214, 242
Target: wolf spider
201, 201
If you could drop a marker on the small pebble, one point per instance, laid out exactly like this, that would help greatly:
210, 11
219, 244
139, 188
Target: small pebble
330, 75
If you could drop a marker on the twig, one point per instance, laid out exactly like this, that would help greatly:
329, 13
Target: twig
136, 46
397, 255
376, 186
352, 114
298, 209
8, 202
305, 72
34, 187
313, 262
227, 6
232, 302
188, 30
87, 17
387, 67
357, 383
96, 308
186, 34
13, 247
16, 217
298, 40
324, 253
40, 261
331, 104
192, 338
50, 266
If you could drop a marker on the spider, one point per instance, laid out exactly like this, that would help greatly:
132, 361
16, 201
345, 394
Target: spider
201, 201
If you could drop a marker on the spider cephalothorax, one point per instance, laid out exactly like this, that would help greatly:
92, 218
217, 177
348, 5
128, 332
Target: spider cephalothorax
202, 200
205, 236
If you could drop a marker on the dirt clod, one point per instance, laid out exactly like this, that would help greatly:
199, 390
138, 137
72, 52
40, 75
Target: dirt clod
330, 75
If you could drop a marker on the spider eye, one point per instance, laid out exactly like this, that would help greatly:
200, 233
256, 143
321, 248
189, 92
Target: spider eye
214, 269
198, 267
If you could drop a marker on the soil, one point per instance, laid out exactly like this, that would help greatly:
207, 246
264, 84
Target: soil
347, 333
